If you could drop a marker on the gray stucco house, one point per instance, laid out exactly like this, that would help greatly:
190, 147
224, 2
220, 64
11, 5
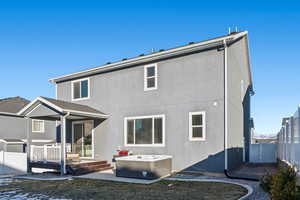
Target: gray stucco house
191, 102
13, 126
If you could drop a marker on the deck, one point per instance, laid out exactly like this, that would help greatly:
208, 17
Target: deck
75, 168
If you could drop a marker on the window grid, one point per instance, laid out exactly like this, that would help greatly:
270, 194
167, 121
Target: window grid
191, 126
38, 126
146, 77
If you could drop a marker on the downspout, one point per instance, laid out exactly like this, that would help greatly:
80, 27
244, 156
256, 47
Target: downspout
63, 143
226, 117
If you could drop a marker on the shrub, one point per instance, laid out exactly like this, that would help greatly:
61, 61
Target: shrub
266, 182
283, 185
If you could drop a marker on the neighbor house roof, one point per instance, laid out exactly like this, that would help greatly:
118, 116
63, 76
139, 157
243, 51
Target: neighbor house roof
161, 54
12, 141
63, 107
12, 104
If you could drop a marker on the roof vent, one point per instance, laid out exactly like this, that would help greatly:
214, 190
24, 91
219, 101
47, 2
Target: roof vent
161, 50
191, 43
124, 59
142, 54
108, 63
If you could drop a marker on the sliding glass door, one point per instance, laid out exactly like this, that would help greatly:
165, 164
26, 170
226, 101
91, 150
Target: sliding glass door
83, 139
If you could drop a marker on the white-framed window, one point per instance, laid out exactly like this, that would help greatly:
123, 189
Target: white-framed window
80, 89
197, 126
145, 131
150, 77
38, 126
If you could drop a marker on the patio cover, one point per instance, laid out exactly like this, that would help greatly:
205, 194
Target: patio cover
44, 108
52, 109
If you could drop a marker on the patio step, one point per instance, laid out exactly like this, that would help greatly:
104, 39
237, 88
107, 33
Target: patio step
88, 167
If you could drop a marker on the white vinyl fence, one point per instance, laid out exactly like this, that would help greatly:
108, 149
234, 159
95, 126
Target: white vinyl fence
13, 163
263, 153
47, 153
288, 140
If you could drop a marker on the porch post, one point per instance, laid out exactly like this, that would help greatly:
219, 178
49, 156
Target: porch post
63, 145
28, 143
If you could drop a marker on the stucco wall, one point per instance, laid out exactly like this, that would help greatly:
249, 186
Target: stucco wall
185, 84
238, 84
15, 128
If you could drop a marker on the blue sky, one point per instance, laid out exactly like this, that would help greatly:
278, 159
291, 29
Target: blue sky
44, 39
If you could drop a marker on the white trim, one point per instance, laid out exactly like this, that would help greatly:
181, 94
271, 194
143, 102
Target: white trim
86, 113
42, 100
146, 88
156, 55
40, 141
93, 133
33, 109
145, 117
58, 109
72, 89
11, 114
56, 96
42, 128
203, 138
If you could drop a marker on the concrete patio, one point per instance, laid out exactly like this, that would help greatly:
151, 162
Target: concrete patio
109, 175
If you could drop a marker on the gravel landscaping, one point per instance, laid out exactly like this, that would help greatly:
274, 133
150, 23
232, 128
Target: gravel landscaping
97, 189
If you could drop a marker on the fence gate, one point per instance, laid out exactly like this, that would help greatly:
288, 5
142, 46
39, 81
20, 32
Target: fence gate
263, 153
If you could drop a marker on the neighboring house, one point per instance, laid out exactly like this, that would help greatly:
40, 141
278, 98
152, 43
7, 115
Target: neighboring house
264, 139
191, 102
13, 126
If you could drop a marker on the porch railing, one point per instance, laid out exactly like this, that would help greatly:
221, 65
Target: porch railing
47, 153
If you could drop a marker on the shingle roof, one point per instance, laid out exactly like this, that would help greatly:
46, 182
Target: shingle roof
13, 104
64, 105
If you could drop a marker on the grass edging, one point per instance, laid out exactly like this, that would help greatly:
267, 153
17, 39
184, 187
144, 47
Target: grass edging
249, 188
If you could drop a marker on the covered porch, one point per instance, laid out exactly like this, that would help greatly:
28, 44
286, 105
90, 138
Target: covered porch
74, 147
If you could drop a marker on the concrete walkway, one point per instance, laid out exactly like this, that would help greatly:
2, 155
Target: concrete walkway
256, 194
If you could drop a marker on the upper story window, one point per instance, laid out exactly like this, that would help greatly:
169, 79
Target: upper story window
80, 89
38, 126
150, 77
197, 126
144, 131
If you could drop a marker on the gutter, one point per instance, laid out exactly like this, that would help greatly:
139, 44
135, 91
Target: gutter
11, 114
226, 172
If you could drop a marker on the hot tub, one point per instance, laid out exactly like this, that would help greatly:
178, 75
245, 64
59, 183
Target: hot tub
144, 166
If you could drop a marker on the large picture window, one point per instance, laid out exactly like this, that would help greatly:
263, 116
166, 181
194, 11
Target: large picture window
144, 131
80, 89
197, 126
